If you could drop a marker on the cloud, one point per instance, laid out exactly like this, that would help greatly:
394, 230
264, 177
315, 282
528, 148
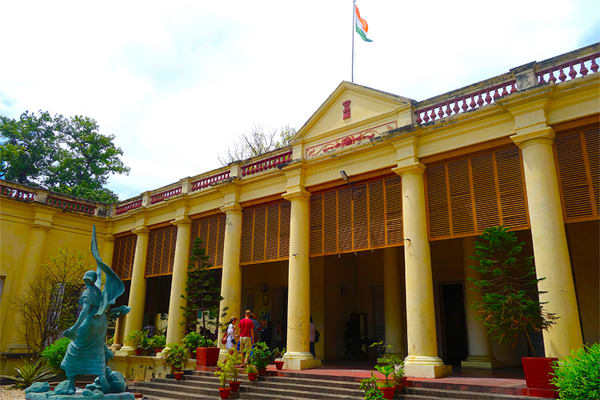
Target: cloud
176, 82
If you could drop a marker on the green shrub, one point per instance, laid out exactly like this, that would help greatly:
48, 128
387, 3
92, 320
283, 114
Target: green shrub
261, 355
55, 352
30, 372
157, 341
139, 339
176, 356
578, 376
191, 341
369, 386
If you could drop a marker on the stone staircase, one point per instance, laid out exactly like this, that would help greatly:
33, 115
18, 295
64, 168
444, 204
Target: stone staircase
200, 385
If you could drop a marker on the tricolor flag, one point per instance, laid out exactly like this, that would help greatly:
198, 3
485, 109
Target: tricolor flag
361, 26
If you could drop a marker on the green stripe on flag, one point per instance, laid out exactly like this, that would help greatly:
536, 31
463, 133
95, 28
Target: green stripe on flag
362, 33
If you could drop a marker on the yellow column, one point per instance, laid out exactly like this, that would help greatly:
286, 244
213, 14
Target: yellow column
480, 346
231, 280
137, 291
118, 336
298, 354
422, 360
392, 301
32, 261
175, 324
550, 249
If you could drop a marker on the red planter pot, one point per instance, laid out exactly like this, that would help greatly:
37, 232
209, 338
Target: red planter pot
252, 376
139, 352
537, 372
178, 375
207, 356
279, 364
262, 371
234, 386
388, 392
224, 393
158, 350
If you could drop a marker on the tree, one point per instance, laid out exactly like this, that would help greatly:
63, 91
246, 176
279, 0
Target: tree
65, 155
50, 303
202, 290
510, 305
257, 142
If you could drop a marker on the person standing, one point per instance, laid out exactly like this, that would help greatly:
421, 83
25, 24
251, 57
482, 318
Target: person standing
257, 328
231, 333
312, 337
246, 334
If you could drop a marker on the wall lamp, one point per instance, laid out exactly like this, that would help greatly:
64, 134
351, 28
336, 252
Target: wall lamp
344, 176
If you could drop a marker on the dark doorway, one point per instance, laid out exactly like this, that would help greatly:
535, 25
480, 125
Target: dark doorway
455, 348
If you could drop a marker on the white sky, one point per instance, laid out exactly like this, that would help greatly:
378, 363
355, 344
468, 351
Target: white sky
177, 81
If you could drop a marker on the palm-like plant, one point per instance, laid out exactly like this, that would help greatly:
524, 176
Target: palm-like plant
30, 372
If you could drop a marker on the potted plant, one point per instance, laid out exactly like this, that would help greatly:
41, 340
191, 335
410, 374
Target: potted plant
278, 355
252, 372
222, 373
387, 386
578, 376
203, 298
260, 357
509, 305
369, 386
191, 341
394, 361
175, 356
157, 342
139, 340
232, 360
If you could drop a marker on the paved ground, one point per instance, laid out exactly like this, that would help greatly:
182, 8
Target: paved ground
6, 393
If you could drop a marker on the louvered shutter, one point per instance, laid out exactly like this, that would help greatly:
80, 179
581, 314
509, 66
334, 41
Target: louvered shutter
272, 231
330, 222
344, 219
393, 205
577, 157
437, 200
376, 214
123, 255
316, 224
258, 253
161, 251
211, 231
284, 229
247, 224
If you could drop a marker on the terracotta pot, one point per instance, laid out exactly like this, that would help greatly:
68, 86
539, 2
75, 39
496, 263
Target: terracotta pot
158, 350
234, 386
224, 393
207, 356
139, 352
279, 364
399, 386
388, 392
537, 372
262, 371
252, 376
178, 375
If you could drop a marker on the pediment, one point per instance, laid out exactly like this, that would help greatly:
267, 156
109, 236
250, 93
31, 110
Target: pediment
349, 106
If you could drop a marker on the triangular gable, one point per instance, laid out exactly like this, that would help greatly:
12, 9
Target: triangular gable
336, 113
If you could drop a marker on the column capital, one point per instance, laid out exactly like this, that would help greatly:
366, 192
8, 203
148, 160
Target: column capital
298, 193
109, 237
537, 134
232, 208
41, 224
181, 220
140, 230
416, 168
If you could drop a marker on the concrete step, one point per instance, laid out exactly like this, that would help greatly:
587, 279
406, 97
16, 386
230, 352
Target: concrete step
308, 385
348, 382
249, 390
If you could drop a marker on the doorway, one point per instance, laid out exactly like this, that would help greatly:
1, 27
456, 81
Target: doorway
454, 329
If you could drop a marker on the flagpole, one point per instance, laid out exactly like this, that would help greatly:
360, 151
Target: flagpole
353, 27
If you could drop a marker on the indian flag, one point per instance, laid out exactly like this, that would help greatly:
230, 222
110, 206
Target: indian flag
361, 26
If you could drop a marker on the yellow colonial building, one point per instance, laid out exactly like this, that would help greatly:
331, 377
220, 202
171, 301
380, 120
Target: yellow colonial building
366, 222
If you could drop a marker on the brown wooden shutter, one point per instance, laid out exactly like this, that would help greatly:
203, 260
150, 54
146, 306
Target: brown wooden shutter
344, 219
360, 217
123, 255
468, 194
161, 251
265, 232
330, 223
247, 232
376, 214
577, 156
316, 224
211, 230
284, 229
393, 210
437, 201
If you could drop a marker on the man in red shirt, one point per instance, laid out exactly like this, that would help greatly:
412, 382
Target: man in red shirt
246, 334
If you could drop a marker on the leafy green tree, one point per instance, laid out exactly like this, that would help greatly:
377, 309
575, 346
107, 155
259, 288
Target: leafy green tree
66, 155
202, 289
510, 305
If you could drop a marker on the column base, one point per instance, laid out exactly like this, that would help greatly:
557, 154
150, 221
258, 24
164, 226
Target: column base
125, 351
115, 347
486, 362
300, 360
426, 367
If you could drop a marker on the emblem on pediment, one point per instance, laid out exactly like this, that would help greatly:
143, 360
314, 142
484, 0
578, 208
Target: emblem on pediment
349, 140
